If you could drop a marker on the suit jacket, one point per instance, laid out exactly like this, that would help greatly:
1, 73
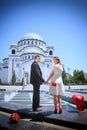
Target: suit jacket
36, 74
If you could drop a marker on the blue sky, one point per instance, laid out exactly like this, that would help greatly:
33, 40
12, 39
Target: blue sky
61, 23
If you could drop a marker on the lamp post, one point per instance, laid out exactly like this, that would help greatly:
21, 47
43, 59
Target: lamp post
69, 76
23, 78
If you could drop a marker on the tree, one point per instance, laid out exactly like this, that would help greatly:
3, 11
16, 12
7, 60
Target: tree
13, 78
78, 77
85, 81
64, 77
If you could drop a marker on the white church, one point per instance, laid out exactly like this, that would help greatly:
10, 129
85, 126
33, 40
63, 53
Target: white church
21, 57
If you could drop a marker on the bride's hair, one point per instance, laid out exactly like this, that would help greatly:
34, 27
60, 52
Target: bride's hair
57, 58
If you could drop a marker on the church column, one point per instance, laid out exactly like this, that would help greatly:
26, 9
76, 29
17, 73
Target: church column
10, 70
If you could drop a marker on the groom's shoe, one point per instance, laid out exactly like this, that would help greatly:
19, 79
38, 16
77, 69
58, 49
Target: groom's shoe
39, 106
35, 110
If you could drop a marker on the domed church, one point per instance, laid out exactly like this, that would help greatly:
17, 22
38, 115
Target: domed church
21, 57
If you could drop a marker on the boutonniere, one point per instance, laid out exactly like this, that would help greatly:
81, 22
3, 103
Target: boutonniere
54, 84
14, 118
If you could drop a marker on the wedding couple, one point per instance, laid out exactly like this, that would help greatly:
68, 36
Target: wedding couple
56, 84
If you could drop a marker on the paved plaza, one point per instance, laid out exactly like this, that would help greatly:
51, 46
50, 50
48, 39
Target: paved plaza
19, 99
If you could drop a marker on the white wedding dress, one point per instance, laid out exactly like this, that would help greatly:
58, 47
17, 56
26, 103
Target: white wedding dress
57, 78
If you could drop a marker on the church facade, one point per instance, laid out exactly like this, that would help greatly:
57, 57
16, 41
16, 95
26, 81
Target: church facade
21, 57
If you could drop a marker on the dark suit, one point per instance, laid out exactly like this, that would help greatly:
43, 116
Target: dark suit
36, 80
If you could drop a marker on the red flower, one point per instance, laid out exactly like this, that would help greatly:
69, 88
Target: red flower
14, 118
54, 84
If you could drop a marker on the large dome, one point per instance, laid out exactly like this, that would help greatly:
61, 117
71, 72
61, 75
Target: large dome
32, 36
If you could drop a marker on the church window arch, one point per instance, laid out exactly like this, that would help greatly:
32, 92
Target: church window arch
28, 57
50, 52
24, 42
48, 65
32, 42
36, 42
13, 51
32, 56
28, 42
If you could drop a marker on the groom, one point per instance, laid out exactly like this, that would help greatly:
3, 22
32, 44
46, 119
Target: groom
36, 80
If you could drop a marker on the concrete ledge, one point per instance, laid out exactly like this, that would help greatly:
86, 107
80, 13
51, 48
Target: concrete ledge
27, 124
69, 118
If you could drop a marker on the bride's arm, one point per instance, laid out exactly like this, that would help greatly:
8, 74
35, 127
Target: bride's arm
50, 76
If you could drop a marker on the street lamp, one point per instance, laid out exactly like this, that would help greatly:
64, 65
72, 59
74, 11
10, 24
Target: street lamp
23, 78
69, 76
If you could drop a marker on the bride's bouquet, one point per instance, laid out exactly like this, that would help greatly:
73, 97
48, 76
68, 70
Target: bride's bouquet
54, 84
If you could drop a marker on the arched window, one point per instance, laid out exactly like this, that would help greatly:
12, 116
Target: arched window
32, 57
24, 42
48, 65
28, 42
32, 42
28, 57
50, 52
13, 51
36, 42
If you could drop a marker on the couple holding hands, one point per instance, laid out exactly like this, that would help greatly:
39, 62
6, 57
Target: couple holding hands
56, 84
